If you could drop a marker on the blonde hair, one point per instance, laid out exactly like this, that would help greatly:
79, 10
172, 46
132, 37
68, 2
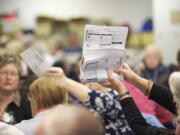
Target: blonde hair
174, 82
48, 91
14, 48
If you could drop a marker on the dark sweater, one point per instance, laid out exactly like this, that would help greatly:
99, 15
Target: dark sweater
163, 96
22, 112
138, 123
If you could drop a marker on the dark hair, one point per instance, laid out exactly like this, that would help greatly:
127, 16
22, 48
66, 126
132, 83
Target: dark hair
178, 56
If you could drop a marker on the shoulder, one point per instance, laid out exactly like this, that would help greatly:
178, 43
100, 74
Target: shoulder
9, 129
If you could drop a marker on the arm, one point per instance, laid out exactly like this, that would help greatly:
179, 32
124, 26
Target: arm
103, 103
80, 91
137, 122
131, 77
158, 93
163, 96
132, 113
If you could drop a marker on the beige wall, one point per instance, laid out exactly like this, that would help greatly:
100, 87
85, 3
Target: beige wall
167, 34
119, 11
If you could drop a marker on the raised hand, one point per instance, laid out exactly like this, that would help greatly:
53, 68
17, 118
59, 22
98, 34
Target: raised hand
114, 83
129, 75
55, 72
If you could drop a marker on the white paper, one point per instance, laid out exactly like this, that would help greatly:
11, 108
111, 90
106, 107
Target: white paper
96, 37
103, 48
35, 61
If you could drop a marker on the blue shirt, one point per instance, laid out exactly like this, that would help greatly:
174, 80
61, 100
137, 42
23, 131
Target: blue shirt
69, 49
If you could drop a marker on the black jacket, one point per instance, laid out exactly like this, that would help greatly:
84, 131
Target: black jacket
159, 94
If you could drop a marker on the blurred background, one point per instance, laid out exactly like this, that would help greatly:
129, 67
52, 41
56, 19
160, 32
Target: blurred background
149, 21
55, 28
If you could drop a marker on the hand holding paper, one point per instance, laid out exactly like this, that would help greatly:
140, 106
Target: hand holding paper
103, 48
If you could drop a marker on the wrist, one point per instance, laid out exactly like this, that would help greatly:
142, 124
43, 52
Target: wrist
136, 80
124, 95
149, 85
121, 89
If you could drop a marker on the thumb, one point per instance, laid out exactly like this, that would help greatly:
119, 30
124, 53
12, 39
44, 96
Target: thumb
120, 71
109, 74
126, 66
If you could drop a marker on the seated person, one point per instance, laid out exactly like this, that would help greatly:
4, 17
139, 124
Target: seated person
18, 108
44, 94
68, 120
106, 105
154, 69
73, 50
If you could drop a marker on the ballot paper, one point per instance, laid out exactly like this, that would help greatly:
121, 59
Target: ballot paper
35, 61
103, 48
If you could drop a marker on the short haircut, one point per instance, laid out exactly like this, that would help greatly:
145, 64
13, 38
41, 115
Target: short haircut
153, 49
74, 120
48, 91
8, 59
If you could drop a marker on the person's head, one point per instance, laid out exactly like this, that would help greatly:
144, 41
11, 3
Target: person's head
10, 69
152, 56
73, 39
14, 48
74, 120
56, 44
174, 83
47, 92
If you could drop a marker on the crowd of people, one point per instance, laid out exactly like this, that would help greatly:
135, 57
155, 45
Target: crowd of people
146, 102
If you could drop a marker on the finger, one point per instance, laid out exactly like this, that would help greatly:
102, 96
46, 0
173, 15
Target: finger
51, 70
109, 73
105, 84
126, 66
120, 70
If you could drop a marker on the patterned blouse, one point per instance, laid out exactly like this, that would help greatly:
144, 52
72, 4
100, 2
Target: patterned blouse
109, 107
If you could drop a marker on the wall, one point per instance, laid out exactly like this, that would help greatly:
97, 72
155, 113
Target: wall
119, 11
167, 35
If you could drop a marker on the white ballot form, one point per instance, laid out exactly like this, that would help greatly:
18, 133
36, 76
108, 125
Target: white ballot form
103, 48
35, 61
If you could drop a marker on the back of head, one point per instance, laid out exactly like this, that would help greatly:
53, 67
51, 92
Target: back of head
72, 121
14, 48
48, 91
174, 82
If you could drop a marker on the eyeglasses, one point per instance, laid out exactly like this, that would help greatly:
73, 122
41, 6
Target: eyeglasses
12, 74
29, 96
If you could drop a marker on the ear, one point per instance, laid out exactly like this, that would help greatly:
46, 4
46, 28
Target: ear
40, 104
